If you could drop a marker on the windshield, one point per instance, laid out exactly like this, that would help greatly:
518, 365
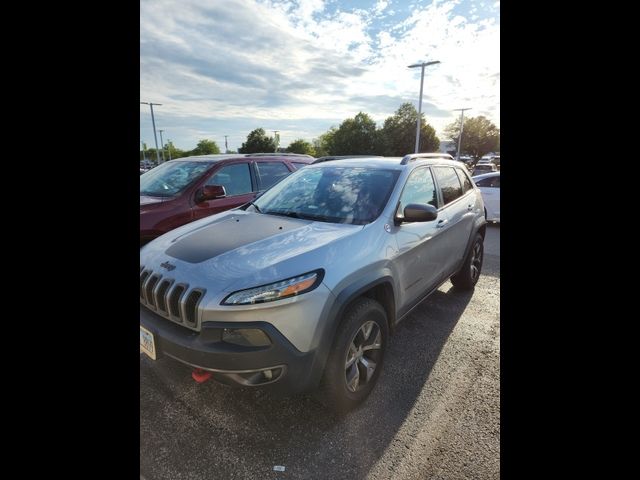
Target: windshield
169, 179
331, 194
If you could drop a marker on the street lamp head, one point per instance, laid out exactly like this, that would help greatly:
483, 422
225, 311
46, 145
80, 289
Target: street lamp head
423, 64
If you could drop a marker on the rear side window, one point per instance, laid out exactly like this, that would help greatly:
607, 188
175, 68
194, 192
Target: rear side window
419, 189
299, 165
271, 173
489, 182
464, 178
235, 179
449, 183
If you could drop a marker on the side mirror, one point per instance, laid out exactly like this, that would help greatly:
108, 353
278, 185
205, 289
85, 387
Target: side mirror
419, 212
211, 192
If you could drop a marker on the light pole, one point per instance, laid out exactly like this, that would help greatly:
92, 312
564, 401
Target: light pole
169, 149
162, 144
144, 157
461, 110
276, 138
153, 121
226, 145
422, 65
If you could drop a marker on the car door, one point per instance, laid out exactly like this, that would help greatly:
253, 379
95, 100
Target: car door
420, 244
270, 173
239, 184
458, 206
490, 188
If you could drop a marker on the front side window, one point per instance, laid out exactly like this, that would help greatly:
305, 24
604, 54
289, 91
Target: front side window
419, 189
271, 173
235, 179
331, 194
170, 178
489, 182
449, 183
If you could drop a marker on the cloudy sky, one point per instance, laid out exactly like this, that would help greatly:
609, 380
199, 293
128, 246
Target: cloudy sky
226, 67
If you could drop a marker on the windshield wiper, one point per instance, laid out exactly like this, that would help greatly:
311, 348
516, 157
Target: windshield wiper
303, 216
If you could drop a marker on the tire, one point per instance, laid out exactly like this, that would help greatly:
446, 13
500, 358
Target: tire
468, 275
335, 391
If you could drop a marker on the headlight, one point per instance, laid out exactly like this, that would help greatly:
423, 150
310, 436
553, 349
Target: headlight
276, 291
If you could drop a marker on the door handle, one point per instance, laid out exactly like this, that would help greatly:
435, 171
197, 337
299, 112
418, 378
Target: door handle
442, 223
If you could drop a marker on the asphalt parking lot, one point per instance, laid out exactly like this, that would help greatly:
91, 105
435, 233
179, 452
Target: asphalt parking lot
434, 414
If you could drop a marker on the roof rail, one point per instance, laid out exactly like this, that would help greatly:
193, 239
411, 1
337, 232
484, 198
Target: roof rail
343, 157
275, 154
416, 156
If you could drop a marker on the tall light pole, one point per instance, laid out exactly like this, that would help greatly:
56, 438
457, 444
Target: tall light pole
422, 65
226, 145
162, 144
153, 121
461, 110
276, 138
169, 149
144, 157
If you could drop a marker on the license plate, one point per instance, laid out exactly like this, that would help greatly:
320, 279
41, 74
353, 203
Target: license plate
147, 344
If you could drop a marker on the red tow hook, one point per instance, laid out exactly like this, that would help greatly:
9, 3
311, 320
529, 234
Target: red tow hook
200, 375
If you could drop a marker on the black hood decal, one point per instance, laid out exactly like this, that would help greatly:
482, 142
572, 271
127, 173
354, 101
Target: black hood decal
233, 232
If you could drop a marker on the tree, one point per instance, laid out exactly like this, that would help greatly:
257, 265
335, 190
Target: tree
324, 143
175, 152
355, 136
301, 146
397, 137
258, 142
205, 147
479, 136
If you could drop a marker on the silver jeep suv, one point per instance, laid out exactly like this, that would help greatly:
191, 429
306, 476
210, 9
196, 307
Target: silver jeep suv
300, 289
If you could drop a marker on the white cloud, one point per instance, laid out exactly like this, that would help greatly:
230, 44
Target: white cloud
304, 66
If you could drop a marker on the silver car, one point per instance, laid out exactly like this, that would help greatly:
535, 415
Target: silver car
300, 289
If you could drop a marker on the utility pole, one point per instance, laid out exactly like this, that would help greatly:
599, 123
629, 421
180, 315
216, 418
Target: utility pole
276, 138
153, 121
422, 65
226, 145
461, 110
162, 144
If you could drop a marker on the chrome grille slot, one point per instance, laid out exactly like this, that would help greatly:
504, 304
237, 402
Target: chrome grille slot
143, 277
175, 295
190, 306
148, 289
160, 295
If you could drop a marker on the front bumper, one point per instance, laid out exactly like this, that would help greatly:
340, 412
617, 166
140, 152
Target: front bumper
288, 369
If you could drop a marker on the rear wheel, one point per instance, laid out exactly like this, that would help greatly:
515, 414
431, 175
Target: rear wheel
356, 356
469, 274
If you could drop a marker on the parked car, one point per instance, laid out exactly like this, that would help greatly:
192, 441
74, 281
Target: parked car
301, 289
481, 168
489, 184
190, 188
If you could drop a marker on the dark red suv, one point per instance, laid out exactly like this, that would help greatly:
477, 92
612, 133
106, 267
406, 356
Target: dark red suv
187, 189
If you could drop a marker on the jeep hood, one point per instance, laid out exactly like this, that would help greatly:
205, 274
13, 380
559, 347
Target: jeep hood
238, 249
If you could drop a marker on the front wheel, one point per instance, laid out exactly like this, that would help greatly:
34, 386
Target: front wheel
356, 356
469, 274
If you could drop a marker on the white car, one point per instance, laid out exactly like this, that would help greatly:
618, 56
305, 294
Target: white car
489, 184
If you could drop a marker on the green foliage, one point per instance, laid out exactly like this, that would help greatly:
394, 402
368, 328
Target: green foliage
479, 136
205, 147
324, 143
397, 137
301, 146
355, 136
258, 142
